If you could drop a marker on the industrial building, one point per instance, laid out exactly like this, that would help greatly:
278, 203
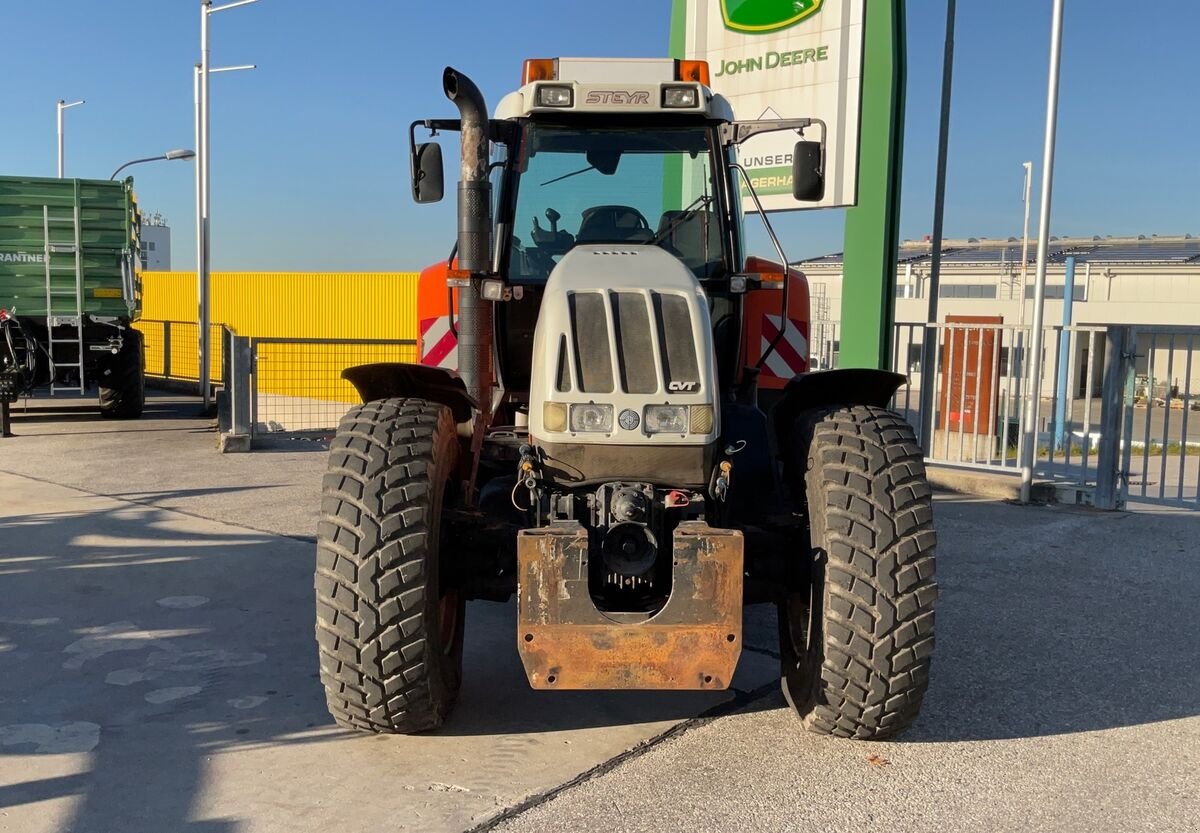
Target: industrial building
156, 243
1142, 281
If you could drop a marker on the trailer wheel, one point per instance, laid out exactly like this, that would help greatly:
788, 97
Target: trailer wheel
124, 394
856, 622
389, 633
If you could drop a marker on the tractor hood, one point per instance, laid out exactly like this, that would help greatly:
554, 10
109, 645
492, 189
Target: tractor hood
623, 352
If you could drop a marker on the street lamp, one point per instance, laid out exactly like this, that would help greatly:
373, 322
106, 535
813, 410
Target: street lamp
1028, 166
1034, 400
178, 153
63, 105
203, 181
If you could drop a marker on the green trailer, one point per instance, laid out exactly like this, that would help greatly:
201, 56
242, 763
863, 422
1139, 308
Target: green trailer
69, 291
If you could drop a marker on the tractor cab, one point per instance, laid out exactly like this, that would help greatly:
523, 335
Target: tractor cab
616, 152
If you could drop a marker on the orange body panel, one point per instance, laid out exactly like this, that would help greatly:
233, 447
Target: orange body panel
761, 308
436, 344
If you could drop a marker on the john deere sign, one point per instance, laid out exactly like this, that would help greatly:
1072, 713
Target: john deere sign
762, 16
784, 59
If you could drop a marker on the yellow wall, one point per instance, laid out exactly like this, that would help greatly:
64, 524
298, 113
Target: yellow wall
292, 304
337, 305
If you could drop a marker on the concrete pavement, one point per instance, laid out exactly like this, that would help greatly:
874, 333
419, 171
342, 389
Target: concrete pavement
1065, 696
158, 673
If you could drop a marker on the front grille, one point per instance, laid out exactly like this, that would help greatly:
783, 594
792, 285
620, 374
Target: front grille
675, 335
635, 343
636, 318
593, 360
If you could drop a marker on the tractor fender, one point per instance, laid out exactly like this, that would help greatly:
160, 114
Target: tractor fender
845, 386
388, 380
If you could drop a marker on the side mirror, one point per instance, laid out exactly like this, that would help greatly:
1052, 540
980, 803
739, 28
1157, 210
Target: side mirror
808, 178
427, 179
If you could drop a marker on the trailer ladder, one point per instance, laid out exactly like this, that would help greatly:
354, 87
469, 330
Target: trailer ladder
64, 305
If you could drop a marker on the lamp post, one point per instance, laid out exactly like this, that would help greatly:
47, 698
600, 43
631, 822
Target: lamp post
1034, 400
929, 344
1028, 166
203, 181
180, 153
63, 105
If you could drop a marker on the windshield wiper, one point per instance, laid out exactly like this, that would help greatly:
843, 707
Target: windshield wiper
568, 176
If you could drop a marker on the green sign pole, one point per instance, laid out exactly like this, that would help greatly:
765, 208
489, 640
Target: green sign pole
873, 226
678, 30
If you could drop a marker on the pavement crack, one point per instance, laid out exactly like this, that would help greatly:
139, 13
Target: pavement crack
740, 700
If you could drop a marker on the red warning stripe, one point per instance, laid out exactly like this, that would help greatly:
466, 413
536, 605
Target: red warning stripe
440, 350
784, 348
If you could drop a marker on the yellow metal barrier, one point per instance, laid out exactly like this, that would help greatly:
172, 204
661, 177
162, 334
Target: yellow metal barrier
326, 305
292, 304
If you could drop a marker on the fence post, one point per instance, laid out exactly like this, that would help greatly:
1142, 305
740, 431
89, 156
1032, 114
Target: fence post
1112, 401
166, 350
238, 358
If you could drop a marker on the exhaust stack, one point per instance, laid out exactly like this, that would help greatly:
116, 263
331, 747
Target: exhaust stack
474, 237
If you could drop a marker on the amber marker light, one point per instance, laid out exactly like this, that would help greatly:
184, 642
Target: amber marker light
539, 69
691, 71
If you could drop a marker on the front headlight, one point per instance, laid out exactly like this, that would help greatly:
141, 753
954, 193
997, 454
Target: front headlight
592, 418
555, 96
666, 419
677, 97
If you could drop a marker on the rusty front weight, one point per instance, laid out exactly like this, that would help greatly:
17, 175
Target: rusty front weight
692, 643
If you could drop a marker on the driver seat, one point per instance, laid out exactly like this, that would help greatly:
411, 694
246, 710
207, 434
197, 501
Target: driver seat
696, 240
613, 224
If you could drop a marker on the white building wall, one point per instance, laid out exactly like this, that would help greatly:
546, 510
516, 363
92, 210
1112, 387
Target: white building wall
156, 248
1115, 293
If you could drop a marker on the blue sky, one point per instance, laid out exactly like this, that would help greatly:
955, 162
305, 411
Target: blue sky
310, 149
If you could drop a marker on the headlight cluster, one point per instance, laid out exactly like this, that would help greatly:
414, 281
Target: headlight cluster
592, 418
555, 95
666, 419
680, 97
596, 418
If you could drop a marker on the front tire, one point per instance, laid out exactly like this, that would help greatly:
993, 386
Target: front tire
856, 625
389, 633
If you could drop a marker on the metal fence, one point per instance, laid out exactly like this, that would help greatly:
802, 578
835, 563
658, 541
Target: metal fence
173, 350
1160, 453
1112, 421
981, 409
295, 384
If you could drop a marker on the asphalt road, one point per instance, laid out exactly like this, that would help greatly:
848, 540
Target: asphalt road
157, 673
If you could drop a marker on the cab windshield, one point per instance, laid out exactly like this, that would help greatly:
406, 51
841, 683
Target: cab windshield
577, 186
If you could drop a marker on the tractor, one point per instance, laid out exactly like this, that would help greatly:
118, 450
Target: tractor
612, 419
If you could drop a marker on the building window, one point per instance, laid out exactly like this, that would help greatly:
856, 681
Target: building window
150, 245
1055, 292
967, 290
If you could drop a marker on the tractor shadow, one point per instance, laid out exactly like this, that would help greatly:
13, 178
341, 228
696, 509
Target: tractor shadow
1057, 620
144, 653
136, 646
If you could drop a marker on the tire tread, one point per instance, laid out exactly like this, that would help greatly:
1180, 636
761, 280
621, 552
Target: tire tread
375, 651
871, 514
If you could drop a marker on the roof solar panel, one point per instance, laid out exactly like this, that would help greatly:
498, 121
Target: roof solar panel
1149, 251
